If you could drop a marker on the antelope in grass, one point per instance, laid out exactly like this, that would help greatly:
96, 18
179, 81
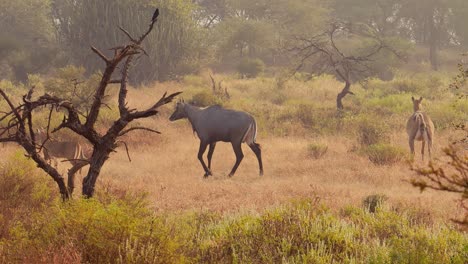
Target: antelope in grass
53, 149
420, 127
213, 124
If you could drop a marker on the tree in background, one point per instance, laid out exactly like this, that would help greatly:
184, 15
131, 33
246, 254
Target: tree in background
350, 52
172, 49
259, 29
27, 39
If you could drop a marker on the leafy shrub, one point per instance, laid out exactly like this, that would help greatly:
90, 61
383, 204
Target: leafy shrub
374, 201
71, 83
384, 154
408, 85
317, 150
251, 68
447, 115
370, 129
204, 98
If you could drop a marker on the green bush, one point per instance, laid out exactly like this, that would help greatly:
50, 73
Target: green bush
369, 129
71, 83
447, 115
317, 150
251, 68
384, 154
374, 201
205, 98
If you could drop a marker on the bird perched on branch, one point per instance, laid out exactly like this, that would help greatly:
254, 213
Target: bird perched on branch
155, 15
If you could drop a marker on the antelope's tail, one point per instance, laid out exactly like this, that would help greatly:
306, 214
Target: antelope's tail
251, 134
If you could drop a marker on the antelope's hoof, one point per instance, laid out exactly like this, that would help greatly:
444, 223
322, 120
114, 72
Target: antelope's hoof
231, 174
261, 173
208, 173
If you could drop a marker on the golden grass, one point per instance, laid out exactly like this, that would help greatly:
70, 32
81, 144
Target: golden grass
167, 168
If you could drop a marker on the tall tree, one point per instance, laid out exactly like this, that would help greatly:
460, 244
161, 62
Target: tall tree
174, 44
27, 43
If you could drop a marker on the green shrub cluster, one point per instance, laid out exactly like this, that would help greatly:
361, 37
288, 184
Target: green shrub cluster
205, 98
251, 68
317, 150
384, 154
38, 228
369, 129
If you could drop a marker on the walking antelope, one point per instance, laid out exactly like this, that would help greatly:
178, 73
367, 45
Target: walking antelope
215, 124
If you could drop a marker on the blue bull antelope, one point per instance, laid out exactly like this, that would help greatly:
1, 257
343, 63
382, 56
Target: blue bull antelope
213, 124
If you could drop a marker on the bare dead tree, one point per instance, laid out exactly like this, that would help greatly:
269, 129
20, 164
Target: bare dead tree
19, 120
325, 55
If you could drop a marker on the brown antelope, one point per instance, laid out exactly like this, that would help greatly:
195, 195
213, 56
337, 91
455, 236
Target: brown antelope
213, 124
420, 127
53, 149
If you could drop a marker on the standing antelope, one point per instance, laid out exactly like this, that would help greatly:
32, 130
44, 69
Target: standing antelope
68, 150
420, 127
215, 124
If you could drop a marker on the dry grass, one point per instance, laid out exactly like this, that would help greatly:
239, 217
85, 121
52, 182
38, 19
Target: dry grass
167, 168
171, 173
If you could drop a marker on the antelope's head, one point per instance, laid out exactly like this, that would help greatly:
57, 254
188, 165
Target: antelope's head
417, 105
179, 111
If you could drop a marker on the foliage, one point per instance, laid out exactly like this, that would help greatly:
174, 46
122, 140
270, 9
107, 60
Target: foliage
27, 42
384, 154
370, 129
317, 150
373, 202
71, 83
173, 47
119, 227
453, 177
250, 68
205, 98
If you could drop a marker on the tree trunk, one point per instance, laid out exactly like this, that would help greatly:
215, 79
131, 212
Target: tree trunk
433, 42
98, 159
342, 94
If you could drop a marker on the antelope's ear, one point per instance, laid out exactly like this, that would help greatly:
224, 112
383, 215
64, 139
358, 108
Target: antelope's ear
182, 100
420, 99
412, 98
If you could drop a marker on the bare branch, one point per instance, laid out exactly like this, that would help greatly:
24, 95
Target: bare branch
128, 35
101, 55
138, 128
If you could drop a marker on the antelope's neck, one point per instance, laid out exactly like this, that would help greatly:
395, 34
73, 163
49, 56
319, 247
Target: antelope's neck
192, 113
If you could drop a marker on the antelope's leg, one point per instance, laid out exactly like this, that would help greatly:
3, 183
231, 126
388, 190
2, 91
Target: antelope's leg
422, 148
210, 154
239, 156
201, 151
411, 145
429, 148
258, 152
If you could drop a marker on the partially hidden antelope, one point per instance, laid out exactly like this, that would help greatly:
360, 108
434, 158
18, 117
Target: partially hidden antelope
214, 124
53, 149
420, 128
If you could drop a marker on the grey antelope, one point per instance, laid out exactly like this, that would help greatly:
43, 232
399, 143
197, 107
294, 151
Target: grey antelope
420, 127
53, 149
215, 124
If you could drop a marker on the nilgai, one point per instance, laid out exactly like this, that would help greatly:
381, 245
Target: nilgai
53, 149
420, 127
215, 124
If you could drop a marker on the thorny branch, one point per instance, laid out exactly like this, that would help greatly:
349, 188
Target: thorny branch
452, 178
